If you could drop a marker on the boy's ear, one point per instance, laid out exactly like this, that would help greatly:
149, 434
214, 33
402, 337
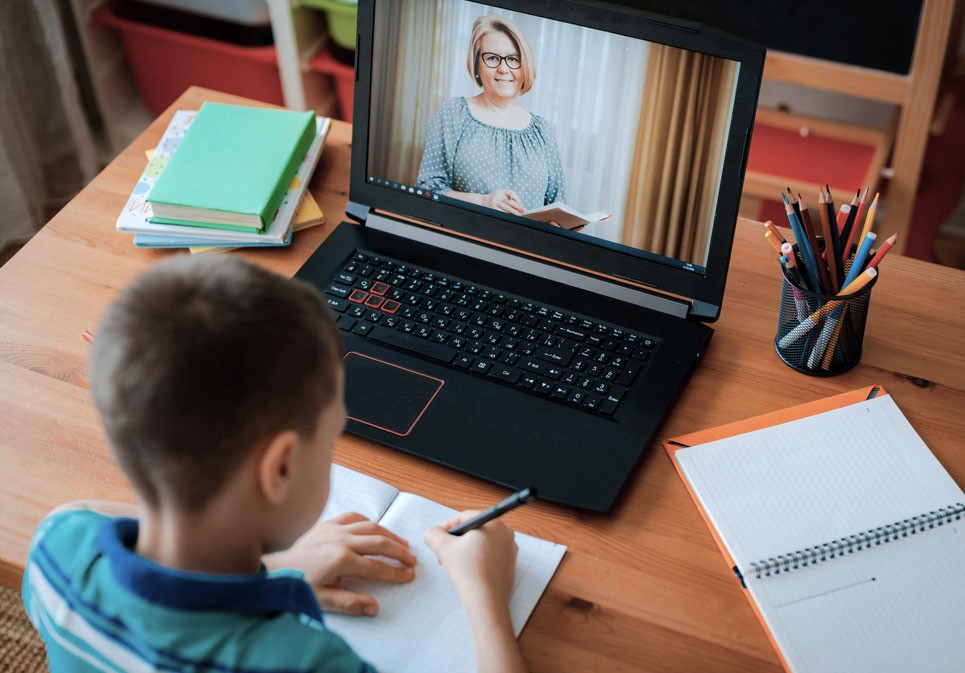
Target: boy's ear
276, 467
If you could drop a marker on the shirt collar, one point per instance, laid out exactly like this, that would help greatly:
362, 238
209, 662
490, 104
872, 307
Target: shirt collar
259, 594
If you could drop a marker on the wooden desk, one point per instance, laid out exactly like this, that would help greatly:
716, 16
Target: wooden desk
643, 588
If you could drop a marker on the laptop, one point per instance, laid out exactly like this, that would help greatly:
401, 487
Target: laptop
505, 342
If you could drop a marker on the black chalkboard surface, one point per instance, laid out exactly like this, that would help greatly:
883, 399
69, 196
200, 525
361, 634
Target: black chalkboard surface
877, 34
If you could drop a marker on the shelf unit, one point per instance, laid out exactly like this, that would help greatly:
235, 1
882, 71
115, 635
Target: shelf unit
309, 76
897, 152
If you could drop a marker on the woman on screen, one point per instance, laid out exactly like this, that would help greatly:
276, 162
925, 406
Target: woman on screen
487, 149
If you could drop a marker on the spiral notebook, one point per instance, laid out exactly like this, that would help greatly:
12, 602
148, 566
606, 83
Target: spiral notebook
845, 531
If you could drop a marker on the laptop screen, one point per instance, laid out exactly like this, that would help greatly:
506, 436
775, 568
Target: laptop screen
610, 142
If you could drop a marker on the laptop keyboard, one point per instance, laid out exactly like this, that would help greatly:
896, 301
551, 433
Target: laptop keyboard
535, 347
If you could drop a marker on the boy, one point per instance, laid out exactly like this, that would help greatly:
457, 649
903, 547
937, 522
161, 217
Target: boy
220, 387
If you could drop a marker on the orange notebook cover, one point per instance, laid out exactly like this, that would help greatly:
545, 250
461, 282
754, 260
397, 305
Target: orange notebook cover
674, 444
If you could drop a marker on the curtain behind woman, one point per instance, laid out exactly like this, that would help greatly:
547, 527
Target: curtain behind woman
677, 157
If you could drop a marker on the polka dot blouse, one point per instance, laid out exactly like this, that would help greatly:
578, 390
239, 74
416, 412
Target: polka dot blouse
463, 154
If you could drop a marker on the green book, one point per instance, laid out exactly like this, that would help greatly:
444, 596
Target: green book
232, 168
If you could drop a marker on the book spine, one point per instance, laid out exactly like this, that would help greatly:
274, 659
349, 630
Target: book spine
801, 558
294, 161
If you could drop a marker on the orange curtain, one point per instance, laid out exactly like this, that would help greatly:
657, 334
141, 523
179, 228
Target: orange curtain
677, 156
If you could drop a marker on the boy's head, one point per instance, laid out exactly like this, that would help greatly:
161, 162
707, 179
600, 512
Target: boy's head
201, 361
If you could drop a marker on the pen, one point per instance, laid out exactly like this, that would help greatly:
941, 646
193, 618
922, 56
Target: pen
512, 502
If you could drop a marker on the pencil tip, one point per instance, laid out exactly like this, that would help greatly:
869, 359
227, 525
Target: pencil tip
784, 196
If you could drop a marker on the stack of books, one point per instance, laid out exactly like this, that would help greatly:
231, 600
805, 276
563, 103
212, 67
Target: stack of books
227, 176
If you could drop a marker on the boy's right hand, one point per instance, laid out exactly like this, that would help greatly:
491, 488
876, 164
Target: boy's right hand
482, 560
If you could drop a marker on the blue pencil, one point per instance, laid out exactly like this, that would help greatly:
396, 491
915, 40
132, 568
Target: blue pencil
860, 257
809, 272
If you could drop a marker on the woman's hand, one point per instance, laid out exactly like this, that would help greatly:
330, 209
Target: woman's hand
505, 200
342, 547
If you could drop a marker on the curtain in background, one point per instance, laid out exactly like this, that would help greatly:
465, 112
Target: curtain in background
677, 157
409, 91
47, 150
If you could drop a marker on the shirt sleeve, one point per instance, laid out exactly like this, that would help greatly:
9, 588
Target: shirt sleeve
62, 534
434, 170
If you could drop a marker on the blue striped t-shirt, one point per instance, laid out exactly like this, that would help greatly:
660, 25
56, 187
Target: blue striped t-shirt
101, 607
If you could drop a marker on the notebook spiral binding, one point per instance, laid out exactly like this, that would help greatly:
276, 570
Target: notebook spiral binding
852, 543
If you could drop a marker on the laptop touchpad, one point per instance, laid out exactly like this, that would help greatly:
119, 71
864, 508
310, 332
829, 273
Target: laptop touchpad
386, 396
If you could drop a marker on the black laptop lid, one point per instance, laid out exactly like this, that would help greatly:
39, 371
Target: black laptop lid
643, 117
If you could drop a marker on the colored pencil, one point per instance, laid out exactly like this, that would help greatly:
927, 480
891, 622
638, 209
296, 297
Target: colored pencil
829, 231
769, 226
855, 235
824, 279
809, 271
772, 239
816, 317
882, 251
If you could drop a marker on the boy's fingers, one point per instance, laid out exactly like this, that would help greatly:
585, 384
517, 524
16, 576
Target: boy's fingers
435, 537
367, 527
347, 602
379, 545
346, 518
459, 518
380, 571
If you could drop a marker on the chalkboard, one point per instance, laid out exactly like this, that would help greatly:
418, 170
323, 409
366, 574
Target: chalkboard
874, 34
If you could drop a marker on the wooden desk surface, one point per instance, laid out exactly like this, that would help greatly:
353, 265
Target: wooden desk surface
643, 588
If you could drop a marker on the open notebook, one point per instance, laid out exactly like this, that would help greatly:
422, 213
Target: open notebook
848, 535
421, 626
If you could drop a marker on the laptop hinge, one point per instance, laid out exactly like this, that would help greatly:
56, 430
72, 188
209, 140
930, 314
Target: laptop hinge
357, 211
678, 308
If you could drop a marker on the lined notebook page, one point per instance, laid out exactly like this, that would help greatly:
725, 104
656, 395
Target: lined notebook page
421, 626
815, 480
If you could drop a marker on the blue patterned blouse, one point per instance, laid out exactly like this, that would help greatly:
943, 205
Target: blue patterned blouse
463, 154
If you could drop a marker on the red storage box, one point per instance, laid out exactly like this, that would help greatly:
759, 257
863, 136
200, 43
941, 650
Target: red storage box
166, 62
342, 74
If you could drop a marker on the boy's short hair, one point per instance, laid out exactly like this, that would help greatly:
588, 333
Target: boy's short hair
199, 362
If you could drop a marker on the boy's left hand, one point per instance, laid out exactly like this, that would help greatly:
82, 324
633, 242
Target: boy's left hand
343, 546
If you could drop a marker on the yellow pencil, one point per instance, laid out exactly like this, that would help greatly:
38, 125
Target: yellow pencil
869, 220
772, 239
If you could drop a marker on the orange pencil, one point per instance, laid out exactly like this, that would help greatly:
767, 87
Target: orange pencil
769, 226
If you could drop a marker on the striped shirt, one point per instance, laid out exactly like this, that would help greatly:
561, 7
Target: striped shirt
101, 607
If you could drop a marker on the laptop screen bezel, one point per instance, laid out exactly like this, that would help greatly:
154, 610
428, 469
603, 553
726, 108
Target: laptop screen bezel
703, 289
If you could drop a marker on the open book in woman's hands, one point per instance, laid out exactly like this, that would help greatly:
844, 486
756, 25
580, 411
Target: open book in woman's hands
564, 216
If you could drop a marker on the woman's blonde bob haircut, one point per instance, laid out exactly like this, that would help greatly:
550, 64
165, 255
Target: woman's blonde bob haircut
492, 23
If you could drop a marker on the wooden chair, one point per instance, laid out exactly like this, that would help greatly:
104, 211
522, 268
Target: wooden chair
807, 152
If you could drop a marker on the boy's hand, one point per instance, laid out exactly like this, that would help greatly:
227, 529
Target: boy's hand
482, 560
342, 547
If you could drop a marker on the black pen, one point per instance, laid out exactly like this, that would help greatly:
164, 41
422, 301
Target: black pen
512, 502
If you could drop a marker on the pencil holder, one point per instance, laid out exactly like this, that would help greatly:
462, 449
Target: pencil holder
820, 334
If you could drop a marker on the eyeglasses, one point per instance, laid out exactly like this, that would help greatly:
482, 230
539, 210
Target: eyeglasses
492, 60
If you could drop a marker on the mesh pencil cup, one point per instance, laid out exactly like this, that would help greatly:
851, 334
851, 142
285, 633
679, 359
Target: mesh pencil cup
821, 334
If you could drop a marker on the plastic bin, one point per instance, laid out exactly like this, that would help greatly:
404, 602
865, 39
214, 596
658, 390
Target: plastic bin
165, 62
344, 76
342, 16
